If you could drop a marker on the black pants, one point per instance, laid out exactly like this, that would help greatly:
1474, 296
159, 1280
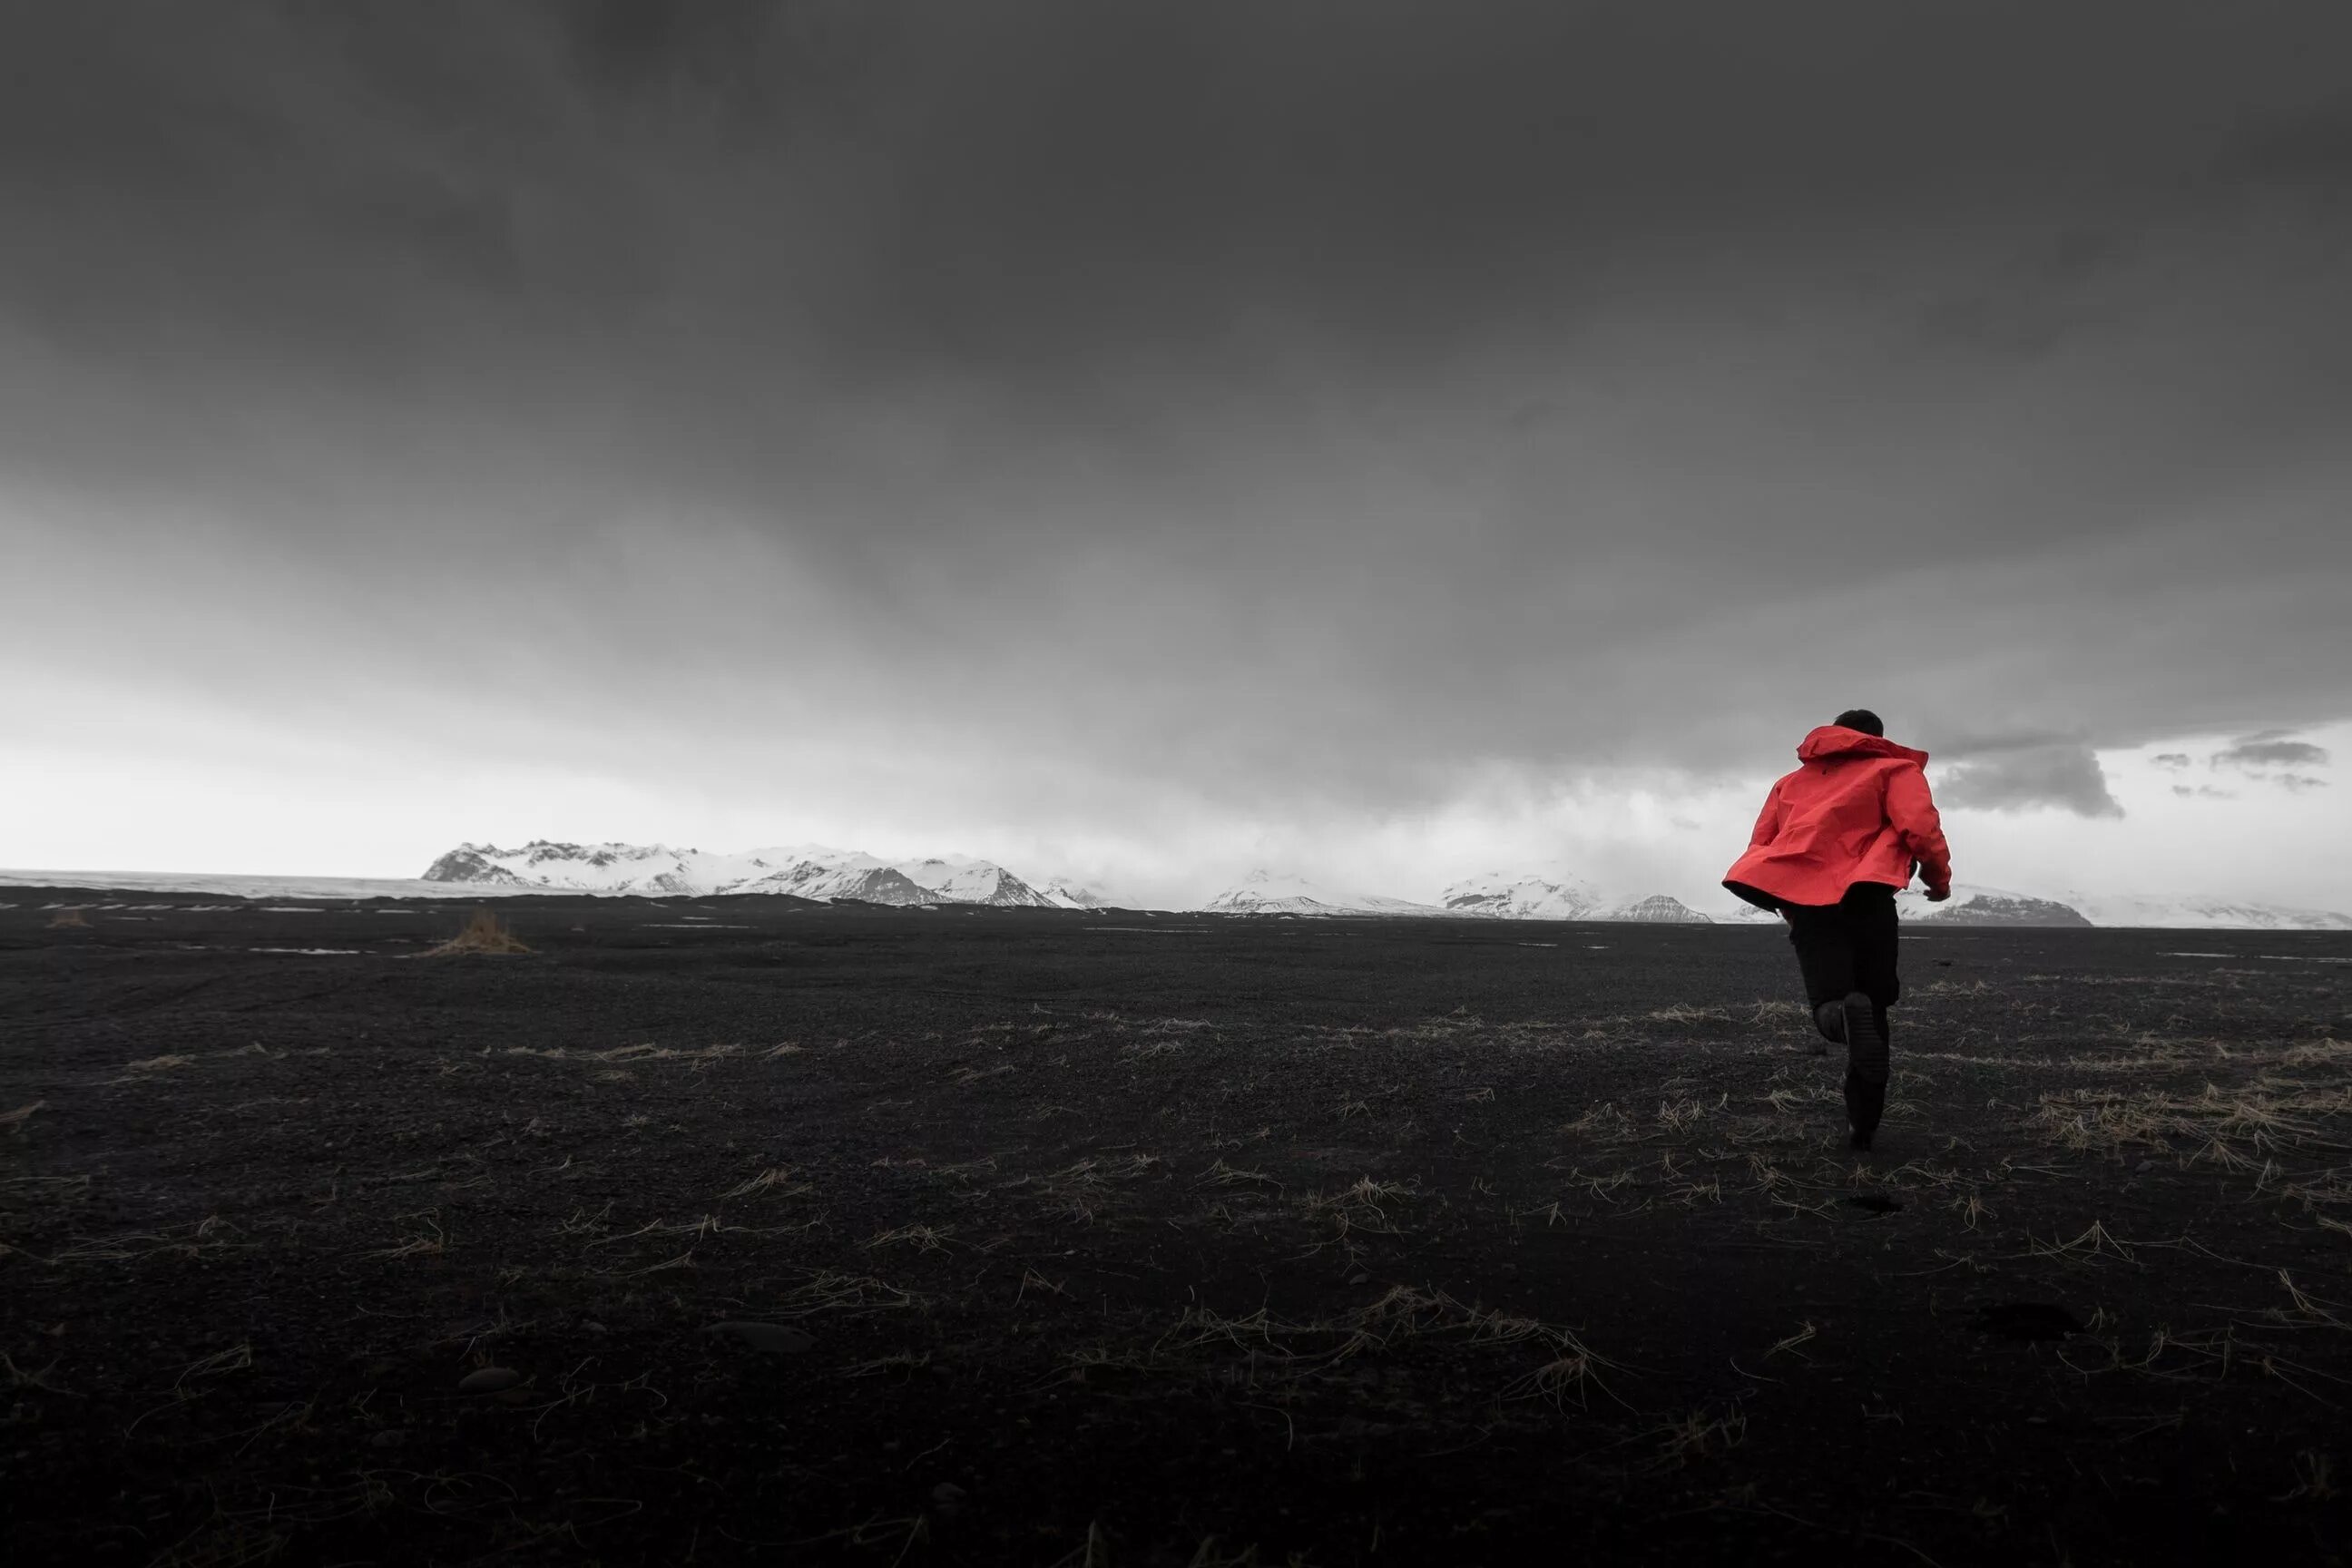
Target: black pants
1848, 946
1842, 947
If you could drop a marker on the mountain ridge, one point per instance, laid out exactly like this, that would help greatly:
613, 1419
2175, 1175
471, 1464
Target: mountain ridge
803, 870
1547, 892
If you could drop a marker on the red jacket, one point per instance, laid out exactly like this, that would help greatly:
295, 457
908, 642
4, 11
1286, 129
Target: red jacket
1858, 811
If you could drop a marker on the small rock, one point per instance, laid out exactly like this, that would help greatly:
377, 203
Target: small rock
391, 1438
489, 1380
592, 1327
1359, 1278
770, 1339
947, 1492
2145, 1166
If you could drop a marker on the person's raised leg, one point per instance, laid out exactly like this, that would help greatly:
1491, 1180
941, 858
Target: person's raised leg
1825, 958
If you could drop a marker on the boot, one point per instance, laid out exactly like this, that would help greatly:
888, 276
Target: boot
1865, 1039
1865, 1104
1830, 1019
1865, 1066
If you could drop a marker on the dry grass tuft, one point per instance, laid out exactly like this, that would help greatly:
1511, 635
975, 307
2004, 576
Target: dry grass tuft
1682, 1114
425, 1238
2095, 1242
1682, 1013
922, 1238
1698, 1435
777, 1179
1225, 1176
1603, 1120
2309, 1308
136, 1072
485, 933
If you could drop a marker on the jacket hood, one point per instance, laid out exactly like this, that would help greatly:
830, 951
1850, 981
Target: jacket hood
1837, 741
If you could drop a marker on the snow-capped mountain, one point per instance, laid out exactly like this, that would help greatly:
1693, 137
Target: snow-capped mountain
591, 867
957, 880
1551, 897
1264, 892
1973, 906
820, 871
1553, 894
805, 870
1998, 905
2196, 911
1655, 909
855, 876
1069, 893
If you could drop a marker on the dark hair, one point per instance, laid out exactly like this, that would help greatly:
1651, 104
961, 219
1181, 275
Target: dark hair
1860, 719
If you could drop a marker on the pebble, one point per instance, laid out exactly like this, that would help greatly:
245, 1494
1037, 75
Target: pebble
2145, 1166
947, 1497
1359, 1278
392, 1437
489, 1380
772, 1339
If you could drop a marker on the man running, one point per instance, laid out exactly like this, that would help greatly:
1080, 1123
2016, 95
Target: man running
1836, 839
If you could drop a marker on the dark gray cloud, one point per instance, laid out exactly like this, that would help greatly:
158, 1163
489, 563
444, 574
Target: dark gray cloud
1273, 400
2271, 749
2064, 775
2175, 760
2295, 783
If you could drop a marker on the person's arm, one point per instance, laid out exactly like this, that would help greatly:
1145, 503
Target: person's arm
1912, 809
1767, 821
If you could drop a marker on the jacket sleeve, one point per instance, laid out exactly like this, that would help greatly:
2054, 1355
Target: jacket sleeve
1912, 809
1767, 821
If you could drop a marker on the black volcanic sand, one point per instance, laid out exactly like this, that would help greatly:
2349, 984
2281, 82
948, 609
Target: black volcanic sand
1130, 1239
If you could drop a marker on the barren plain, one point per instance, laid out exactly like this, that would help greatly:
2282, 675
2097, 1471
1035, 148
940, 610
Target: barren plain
722, 1231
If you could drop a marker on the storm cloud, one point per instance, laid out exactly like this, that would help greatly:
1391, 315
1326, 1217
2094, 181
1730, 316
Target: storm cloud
2065, 776
1115, 416
2272, 749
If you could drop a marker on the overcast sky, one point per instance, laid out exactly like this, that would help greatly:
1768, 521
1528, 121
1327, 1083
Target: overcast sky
1145, 440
